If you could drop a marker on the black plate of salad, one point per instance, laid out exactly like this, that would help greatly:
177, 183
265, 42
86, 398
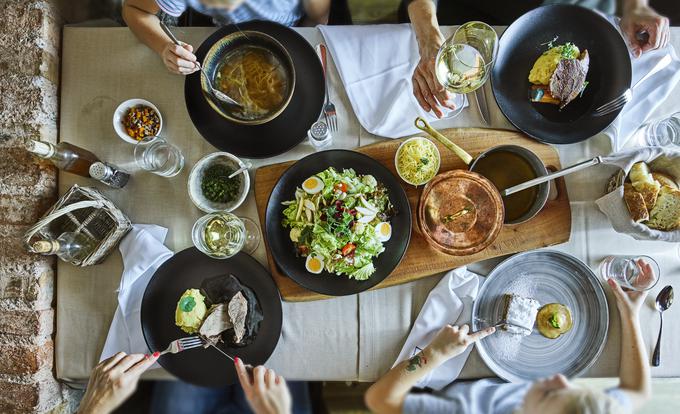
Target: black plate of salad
338, 222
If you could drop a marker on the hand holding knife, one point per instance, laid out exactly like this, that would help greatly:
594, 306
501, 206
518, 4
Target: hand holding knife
249, 368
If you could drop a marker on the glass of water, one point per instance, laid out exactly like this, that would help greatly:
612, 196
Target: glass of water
221, 235
632, 272
664, 133
157, 155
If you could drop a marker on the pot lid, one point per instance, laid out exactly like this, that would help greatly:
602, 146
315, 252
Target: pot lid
460, 212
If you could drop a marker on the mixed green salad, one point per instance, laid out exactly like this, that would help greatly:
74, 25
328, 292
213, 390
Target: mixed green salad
339, 221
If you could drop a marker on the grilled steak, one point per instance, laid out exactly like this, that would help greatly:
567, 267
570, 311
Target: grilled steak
567, 81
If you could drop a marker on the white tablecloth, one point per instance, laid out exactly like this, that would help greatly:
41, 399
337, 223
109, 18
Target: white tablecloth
348, 338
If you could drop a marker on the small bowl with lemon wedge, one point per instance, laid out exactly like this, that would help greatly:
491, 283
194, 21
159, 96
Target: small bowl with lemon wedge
417, 160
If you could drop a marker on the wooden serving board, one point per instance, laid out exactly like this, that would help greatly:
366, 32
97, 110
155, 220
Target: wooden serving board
551, 226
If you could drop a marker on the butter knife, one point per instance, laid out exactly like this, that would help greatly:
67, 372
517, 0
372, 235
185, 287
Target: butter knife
482, 107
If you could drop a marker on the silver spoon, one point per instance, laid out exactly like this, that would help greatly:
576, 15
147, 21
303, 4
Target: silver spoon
244, 167
664, 300
216, 93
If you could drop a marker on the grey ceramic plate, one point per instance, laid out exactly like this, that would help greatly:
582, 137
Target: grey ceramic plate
549, 277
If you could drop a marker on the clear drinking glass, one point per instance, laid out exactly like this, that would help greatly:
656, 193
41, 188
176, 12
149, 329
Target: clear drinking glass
632, 272
157, 155
664, 132
464, 60
221, 235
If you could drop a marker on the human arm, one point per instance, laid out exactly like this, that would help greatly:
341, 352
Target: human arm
388, 394
426, 88
140, 16
637, 18
634, 373
316, 12
113, 381
266, 392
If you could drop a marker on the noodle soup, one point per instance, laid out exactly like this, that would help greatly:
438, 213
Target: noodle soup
255, 78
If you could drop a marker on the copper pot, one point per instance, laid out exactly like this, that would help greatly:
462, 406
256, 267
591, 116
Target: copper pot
460, 212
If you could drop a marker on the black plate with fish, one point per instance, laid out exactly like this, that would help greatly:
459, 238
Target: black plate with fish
287, 129
283, 250
609, 73
192, 269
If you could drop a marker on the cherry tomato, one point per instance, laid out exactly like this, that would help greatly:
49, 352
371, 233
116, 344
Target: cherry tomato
341, 187
348, 248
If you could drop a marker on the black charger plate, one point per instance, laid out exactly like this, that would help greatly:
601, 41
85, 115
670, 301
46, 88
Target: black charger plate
282, 248
283, 132
187, 269
524, 41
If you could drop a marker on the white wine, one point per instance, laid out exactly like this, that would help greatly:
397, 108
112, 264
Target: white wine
460, 68
219, 235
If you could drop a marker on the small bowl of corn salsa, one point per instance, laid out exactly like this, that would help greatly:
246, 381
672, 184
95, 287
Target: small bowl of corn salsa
136, 119
417, 160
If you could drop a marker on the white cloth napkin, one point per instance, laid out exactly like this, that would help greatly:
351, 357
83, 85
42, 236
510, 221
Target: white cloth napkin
375, 64
143, 252
614, 207
450, 302
647, 96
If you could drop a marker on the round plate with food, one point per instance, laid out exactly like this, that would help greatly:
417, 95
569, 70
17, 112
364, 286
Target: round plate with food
338, 222
555, 65
554, 314
283, 95
232, 303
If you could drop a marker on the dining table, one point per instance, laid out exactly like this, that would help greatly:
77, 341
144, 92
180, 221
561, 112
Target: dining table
348, 338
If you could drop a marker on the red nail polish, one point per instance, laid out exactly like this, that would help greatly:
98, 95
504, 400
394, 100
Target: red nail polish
237, 360
146, 355
156, 354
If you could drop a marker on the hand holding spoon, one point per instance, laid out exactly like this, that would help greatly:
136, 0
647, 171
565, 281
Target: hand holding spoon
664, 300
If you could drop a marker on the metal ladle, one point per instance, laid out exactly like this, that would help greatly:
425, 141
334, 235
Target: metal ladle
664, 300
545, 178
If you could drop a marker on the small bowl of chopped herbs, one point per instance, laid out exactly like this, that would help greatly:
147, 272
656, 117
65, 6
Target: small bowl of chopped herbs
210, 187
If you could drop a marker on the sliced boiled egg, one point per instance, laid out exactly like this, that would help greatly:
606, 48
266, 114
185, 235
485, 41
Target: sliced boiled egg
383, 230
314, 264
312, 185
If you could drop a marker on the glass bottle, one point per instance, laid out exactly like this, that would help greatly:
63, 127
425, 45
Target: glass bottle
109, 174
65, 156
69, 247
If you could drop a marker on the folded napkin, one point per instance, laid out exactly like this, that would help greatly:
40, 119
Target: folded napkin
143, 252
661, 159
647, 96
375, 64
450, 302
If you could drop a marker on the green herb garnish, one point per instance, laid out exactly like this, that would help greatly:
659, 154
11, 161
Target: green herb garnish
583, 88
568, 51
187, 304
554, 321
217, 186
550, 43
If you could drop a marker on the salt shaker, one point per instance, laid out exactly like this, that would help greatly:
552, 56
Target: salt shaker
319, 135
109, 174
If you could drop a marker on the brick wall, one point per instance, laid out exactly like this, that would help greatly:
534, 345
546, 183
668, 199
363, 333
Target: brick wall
29, 76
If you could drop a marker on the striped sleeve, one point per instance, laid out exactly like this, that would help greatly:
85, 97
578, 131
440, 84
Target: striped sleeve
172, 7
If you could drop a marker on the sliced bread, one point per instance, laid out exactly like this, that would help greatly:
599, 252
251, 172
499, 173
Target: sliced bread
643, 181
635, 203
666, 213
665, 179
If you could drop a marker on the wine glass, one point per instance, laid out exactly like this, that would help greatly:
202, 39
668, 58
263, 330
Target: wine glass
221, 235
465, 59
